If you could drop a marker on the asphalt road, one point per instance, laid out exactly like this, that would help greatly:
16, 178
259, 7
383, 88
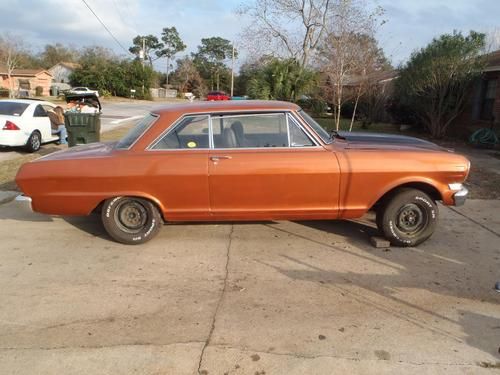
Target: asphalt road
254, 298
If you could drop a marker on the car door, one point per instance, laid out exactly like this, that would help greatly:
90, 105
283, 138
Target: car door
267, 166
178, 168
41, 122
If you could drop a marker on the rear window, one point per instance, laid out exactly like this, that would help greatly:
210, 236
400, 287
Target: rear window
12, 108
136, 132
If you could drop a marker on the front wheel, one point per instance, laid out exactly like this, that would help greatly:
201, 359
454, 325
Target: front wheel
131, 220
408, 218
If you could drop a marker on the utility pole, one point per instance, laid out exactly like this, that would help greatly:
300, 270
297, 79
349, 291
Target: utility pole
232, 73
143, 62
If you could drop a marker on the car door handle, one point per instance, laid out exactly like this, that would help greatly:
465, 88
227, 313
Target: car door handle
217, 158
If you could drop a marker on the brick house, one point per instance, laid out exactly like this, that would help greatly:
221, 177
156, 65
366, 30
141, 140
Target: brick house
482, 109
26, 79
61, 71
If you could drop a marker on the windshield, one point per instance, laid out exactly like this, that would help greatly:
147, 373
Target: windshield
135, 133
12, 108
323, 134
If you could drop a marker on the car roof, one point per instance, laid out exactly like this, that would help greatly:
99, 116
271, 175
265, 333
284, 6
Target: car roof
227, 106
27, 101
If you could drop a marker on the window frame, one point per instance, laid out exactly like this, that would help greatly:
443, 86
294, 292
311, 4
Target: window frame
139, 137
288, 117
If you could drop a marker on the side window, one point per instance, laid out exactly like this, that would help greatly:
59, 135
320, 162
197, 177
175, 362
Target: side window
297, 136
250, 131
39, 112
191, 132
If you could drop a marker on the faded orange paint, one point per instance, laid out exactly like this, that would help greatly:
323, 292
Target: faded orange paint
337, 180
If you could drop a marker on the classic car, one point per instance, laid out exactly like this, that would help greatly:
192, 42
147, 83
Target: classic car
247, 160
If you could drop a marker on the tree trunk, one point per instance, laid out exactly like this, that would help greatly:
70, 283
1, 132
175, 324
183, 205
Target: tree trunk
168, 67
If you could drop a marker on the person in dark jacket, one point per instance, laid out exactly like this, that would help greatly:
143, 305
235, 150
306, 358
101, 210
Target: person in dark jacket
57, 124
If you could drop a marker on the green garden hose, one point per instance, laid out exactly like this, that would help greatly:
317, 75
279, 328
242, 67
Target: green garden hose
484, 137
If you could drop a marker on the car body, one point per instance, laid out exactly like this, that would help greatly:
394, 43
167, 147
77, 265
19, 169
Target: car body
83, 90
217, 95
245, 160
24, 122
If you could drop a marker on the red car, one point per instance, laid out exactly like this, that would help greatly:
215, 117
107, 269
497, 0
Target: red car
217, 95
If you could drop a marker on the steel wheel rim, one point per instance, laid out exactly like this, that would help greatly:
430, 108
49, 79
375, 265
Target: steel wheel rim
131, 216
412, 219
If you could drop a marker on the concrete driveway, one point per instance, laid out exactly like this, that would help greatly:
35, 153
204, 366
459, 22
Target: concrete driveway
255, 298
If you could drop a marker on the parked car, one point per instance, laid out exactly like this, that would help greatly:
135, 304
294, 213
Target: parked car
246, 160
217, 95
24, 122
83, 90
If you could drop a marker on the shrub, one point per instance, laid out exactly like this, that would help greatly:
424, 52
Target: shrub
38, 91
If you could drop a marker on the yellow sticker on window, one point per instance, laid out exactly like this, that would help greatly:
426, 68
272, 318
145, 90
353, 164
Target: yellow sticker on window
191, 144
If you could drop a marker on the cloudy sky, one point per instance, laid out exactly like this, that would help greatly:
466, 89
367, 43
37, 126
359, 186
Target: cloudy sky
410, 23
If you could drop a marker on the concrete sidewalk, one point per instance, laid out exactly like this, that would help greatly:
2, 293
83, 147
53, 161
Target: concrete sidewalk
255, 298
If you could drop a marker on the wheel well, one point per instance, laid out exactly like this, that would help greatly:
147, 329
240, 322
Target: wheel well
430, 190
98, 208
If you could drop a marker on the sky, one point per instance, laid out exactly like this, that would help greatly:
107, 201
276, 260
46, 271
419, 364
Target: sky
410, 25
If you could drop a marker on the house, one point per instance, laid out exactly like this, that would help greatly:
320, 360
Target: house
482, 109
26, 79
61, 71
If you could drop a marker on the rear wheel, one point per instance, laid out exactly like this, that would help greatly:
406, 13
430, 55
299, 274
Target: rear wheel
408, 217
131, 220
34, 142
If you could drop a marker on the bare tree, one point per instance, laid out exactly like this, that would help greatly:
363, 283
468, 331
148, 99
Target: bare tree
342, 54
11, 51
290, 28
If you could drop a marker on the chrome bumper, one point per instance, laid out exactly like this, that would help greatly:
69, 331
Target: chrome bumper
24, 202
460, 196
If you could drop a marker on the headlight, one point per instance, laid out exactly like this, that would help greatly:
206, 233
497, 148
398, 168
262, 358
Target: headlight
455, 187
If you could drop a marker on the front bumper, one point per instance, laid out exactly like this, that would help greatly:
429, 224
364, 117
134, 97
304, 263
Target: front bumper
460, 196
24, 202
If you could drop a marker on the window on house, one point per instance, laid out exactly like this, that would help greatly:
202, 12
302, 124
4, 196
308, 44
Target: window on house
488, 100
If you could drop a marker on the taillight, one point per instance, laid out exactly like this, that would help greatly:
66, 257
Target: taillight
9, 125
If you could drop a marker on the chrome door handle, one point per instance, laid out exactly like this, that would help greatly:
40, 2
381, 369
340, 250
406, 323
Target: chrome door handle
217, 158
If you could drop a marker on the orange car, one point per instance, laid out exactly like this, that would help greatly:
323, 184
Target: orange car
247, 160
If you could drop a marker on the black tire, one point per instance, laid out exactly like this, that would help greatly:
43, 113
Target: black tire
408, 217
34, 142
131, 220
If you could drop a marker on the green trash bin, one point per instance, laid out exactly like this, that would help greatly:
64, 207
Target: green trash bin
82, 128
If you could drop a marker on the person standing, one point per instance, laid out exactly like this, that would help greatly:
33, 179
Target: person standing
57, 124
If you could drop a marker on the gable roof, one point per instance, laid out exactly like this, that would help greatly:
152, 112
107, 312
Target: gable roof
493, 62
69, 65
24, 72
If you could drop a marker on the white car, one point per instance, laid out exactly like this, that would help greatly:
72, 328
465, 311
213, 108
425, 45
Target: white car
83, 90
24, 122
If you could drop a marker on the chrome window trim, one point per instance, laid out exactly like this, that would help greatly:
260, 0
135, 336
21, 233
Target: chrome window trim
316, 135
234, 113
142, 134
171, 128
316, 144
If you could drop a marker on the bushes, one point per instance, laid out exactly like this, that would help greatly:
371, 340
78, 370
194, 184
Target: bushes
4, 93
38, 91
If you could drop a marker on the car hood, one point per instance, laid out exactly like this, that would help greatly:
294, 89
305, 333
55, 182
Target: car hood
367, 140
93, 150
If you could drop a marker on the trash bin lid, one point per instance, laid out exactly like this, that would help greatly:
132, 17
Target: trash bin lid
87, 98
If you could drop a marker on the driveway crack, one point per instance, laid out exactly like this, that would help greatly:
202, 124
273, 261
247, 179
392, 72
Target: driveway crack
219, 302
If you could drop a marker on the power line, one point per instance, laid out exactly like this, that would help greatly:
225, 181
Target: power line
103, 25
